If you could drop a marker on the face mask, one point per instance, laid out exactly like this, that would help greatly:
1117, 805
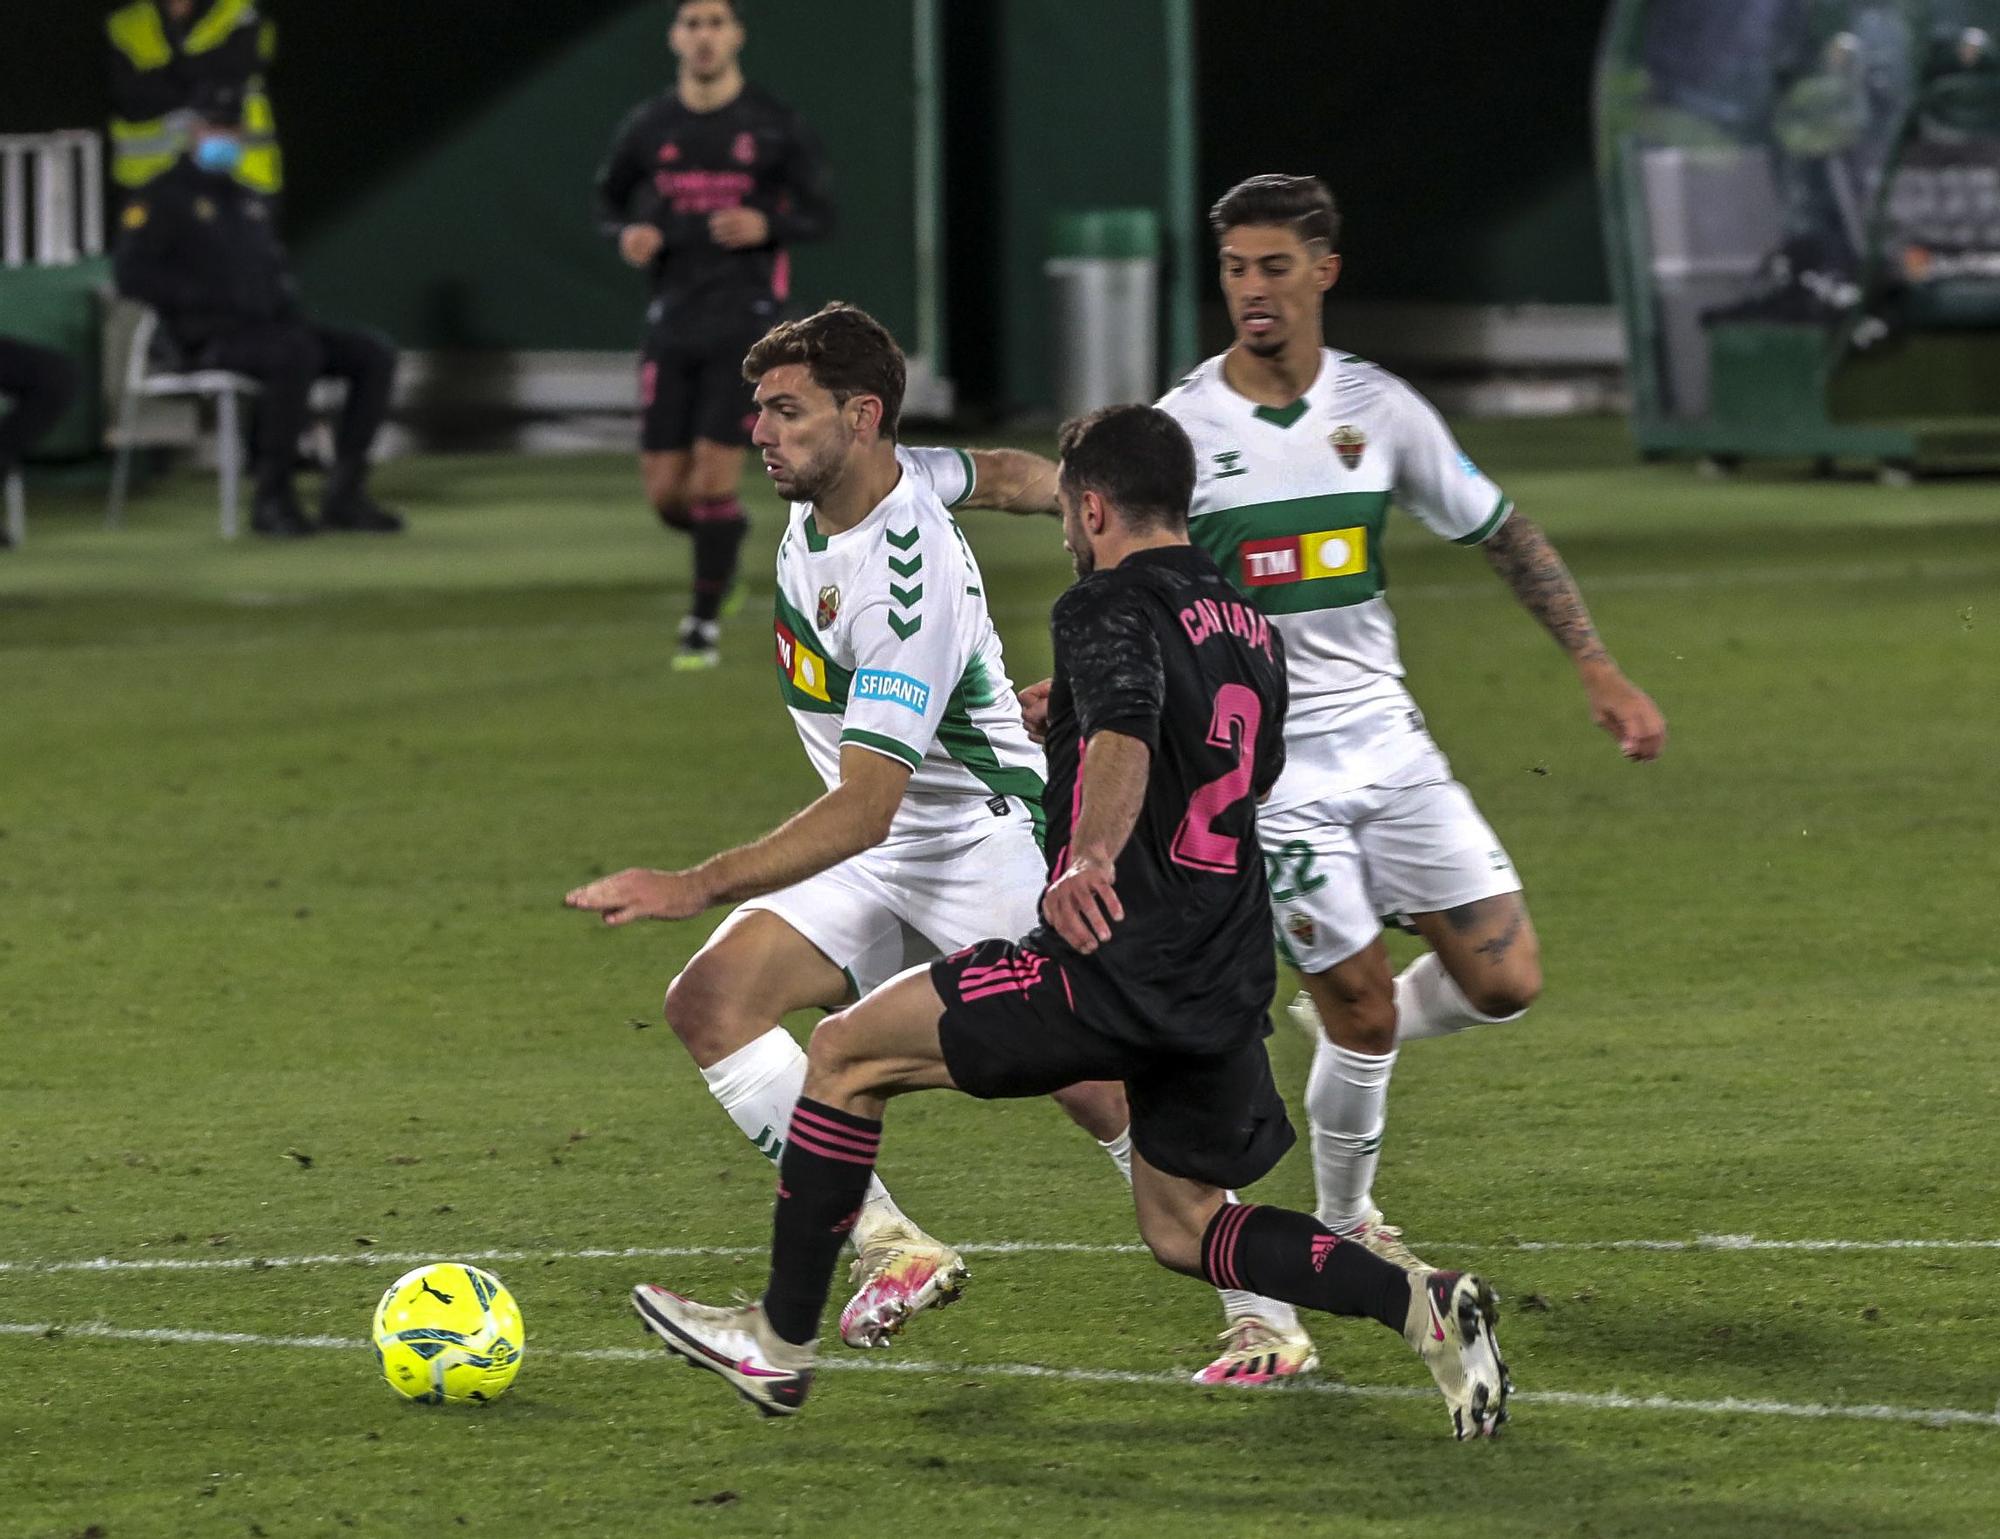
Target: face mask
218, 154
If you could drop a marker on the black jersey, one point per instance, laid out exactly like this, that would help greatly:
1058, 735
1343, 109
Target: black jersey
672, 168
1163, 649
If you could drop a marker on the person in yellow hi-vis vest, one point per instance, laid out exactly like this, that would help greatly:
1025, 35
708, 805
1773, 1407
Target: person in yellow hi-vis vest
172, 61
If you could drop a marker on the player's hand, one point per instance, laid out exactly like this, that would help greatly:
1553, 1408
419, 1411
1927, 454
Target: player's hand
738, 229
1035, 710
641, 894
1083, 903
1627, 712
638, 244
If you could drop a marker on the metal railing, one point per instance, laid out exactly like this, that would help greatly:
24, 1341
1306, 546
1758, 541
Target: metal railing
51, 198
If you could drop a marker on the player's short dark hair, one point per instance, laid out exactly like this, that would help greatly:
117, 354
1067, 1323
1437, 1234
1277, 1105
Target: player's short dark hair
735, 9
846, 350
1302, 204
1137, 458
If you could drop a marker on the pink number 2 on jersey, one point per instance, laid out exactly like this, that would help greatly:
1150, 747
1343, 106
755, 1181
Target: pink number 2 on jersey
1238, 712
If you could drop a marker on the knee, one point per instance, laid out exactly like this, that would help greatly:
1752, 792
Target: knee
1098, 1108
668, 495
304, 355
379, 350
1363, 1019
700, 1010
1176, 1245
838, 1065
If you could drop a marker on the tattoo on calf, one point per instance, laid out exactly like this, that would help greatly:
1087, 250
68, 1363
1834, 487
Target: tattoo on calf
1529, 565
1469, 918
1499, 945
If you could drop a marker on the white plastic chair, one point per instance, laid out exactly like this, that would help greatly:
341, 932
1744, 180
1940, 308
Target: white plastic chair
227, 390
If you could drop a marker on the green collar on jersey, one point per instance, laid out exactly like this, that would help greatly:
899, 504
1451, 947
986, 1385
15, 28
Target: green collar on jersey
1281, 416
815, 541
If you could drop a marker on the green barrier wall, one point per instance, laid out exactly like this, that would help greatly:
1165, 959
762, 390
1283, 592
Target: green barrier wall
485, 239
440, 155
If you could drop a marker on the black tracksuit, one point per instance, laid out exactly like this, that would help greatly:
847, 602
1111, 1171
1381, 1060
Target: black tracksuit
201, 251
36, 386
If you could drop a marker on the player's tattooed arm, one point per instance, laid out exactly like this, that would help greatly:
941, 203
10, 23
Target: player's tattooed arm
1012, 481
1538, 578
1530, 566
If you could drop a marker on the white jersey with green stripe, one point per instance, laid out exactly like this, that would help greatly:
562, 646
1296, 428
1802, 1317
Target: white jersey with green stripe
1292, 503
884, 643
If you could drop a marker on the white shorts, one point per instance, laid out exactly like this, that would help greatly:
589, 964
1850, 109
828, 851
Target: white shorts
894, 907
1414, 844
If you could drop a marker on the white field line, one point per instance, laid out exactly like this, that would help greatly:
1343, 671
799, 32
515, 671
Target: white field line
1707, 1244
1559, 1399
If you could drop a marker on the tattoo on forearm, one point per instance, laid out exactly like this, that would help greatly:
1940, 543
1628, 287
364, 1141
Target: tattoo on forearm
1529, 565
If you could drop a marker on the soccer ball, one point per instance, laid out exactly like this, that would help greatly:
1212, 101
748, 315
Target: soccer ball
448, 1334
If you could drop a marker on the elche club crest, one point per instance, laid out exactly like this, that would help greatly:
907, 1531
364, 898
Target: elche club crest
1301, 928
829, 607
1350, 443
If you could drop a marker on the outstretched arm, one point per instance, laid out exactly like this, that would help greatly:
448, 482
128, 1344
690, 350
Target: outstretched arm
854, 816
1534, 571
1012, 481
1083, 903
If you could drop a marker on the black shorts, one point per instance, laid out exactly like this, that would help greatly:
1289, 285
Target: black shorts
695, 389
1011, 1029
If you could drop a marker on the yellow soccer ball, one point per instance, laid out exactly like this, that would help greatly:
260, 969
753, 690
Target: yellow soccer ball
448, 1334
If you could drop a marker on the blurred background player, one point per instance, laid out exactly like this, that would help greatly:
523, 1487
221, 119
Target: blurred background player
36, 386
1301, 451
199, 247
1167, 726
705, 188
171, 62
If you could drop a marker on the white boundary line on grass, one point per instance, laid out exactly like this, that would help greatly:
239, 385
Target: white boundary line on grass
1563, 1399
1707, 1243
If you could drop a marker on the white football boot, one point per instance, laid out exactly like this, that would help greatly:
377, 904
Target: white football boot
734, 1344
1386, 1240
1257, 1353
1451, 1324
900, 1271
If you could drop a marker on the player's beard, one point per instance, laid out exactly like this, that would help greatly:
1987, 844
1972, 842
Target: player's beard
1080, 555
820, 474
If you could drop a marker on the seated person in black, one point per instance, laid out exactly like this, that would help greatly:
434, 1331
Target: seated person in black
1153, 964
36, 386
200, 249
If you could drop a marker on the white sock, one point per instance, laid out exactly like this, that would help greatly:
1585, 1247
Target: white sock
758, 1085
1347, 1097
1235, 1303
1430, 1004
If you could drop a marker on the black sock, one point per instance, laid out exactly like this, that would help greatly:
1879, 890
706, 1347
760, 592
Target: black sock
1290, 1256
822, 1179
718, 527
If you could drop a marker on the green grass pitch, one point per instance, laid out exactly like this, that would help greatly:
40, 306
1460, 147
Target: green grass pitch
283, 974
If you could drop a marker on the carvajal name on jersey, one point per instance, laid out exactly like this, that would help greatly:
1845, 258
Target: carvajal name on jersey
1305, 557
896, 688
